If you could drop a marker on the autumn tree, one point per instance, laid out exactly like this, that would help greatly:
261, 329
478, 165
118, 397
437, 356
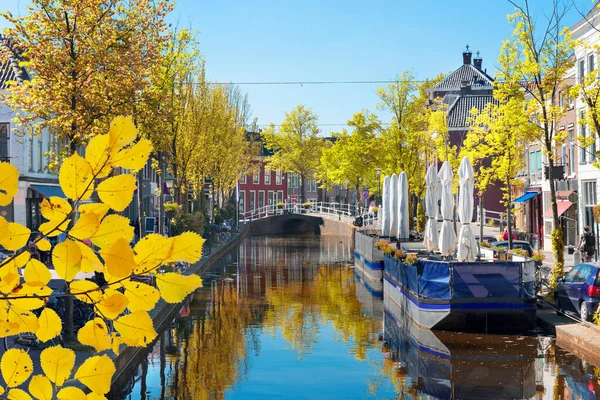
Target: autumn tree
538, 56
296, 144
89, 60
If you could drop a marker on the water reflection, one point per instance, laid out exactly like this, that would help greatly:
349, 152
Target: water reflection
285, 317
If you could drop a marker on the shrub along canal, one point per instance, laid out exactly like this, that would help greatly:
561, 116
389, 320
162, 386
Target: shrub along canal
286, 317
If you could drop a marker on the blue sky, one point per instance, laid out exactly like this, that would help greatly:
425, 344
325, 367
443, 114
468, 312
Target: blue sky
335, 40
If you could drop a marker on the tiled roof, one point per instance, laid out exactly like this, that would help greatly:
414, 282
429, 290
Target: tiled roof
466, 73
9, 64
458, 113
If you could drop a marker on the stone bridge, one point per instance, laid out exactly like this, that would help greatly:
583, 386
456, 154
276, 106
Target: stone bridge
299, 224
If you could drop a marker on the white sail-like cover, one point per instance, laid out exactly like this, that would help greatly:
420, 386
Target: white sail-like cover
431, 208
385, 205
403, 206
467, 246
447, 240
394, 206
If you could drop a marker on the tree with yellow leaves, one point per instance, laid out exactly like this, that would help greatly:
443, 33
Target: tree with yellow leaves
23, 306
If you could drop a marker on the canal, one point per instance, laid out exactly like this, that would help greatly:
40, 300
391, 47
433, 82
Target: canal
286, 317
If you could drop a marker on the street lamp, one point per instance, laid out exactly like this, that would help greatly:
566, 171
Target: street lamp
378, 172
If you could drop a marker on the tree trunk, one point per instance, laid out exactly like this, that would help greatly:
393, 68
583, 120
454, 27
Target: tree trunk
139, 204
557, 242
509, 212
302, 189
161, 207
481, 222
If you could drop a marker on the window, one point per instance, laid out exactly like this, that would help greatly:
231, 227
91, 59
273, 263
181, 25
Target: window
261, 199
31, 152
582, 150
280, 196
243, 180
535, 165
590, 63
267, 176
4, 138
290, 180
314, 185
589, 193
40, 160
278, 177
582, 274
252, 200
256, 177
271, 199
563, 154
571, 151
242, 201
581, 70
571, 274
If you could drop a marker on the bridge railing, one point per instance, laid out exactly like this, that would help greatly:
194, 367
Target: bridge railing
325, 209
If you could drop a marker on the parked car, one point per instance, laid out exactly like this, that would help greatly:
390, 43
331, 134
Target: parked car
487, 238
516, 244
579, 291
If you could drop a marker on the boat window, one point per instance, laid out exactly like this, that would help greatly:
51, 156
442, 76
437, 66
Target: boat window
582, 274
571, 274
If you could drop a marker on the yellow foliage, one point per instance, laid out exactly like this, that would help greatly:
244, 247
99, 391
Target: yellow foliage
97, 208
135, 157
54, 208
89, 261
95, 333
81, 286
97, 155
20, 321
122, 132
118, 258
18, 394
57, 363
71, 393
151, 251
96, 373
40, 387
76, 178
117, 192
9, 282
9, 183
44, 245
175, 287
50, 325
34, 294
141, 297
16, 367
112, 306
136, 329
113, 227
186, 247
54, 227
66, 258
16, 236
85, 227
36, 273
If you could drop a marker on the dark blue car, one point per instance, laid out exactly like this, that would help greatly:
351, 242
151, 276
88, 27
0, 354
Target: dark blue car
579, 291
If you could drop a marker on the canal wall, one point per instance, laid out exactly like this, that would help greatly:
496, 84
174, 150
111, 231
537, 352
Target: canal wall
162, 314
299, 224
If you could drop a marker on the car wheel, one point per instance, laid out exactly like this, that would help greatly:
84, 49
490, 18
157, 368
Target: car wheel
583, 312
557, 305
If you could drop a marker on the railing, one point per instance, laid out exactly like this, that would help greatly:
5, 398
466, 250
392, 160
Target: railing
340, 212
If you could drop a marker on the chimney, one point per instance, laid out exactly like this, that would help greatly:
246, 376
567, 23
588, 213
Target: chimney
478, 61
467, 56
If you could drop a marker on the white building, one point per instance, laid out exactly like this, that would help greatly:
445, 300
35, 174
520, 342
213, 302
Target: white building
25, 151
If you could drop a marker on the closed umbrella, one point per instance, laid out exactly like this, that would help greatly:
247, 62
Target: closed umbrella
431, 208
467, 246
447, 240
394, 206
385, 205
403, 206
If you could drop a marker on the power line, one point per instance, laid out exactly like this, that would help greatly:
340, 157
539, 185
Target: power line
302, 83
346, 124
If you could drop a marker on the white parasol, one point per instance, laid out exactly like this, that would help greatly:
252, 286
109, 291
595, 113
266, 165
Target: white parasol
431, 207
403, 206
394, 206
467, 246
385, 205
447, 240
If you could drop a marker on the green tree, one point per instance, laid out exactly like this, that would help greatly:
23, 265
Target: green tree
537, 56
296, 144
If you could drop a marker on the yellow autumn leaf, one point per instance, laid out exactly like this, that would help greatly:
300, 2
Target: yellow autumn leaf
9, 283
92, 295
117, 342
122, 132
20, 321
17, 262
40, 387
135, 157
85, 227
66, 258
136, 329
97, 155
3, 226
141, 297
97, 208
75, 178
36, 273
151, 251
95, 333
16, 367
34, 299
44, 245
16, 236
95, 396
54, 227
57, 363
118, 258
112, 306
18, 394
71, 393
186, 247
96, 373
113, 226
9, 183
50, 325
175, 287
89, 260
117, 191
55, 207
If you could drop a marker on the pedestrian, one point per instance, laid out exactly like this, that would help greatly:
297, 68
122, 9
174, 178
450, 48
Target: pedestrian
587, 245
505, 234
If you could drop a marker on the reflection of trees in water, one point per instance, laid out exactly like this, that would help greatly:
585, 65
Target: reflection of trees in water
300, 308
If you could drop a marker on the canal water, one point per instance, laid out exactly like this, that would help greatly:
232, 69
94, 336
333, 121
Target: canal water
287, 317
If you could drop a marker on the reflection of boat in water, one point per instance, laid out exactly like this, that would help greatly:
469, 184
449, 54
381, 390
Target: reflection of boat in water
371, 300
452, 365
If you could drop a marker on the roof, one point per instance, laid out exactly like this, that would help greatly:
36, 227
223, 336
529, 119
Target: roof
465, 73
461, 108
9, 63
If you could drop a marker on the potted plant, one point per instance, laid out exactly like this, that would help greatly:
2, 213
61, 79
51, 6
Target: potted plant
411, 259
539, 258
500, 253
380, 244
400, 255
172, 209
520, 252
388, 250
307, 205
280, 205
485, 244
374, 210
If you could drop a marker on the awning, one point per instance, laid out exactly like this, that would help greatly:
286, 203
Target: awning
562, 206
525, 197
48, 191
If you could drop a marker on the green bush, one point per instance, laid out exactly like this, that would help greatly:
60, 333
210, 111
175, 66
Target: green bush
194, 222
